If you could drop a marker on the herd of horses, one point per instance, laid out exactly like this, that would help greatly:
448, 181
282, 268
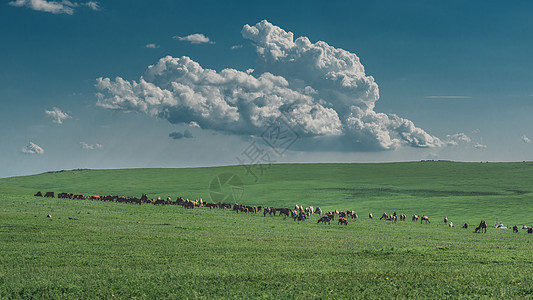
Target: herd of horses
298, 213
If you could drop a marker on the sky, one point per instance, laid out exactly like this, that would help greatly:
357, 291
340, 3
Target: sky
136, 84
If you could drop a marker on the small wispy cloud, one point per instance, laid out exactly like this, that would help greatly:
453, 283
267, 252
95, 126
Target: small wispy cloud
447, 97
55, 7
480, 146
455, 139
234, 47
90, 146
57, 115
196, 38
178, 135
526, 140
152, 46
32, 148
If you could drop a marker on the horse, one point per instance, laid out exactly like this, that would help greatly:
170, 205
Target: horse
324, 219
446, 220
384, 216
465, 226
450, 224
482, 226
38, 194
343, 221
415, 218
402, 217
370, 216
425, 218
515, 229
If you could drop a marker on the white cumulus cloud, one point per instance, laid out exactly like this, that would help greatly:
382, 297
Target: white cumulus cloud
196, 38
32, 148
322, 90
90, 146
57, 115
526, 140
55, 7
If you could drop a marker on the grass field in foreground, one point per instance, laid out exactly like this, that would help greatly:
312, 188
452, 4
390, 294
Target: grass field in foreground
113, 250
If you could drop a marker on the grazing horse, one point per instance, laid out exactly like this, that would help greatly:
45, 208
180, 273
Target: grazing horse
402, 217
343, 221
415, 218
49, 194
450, 224
318, 210
384, 216
354, 215
324, 219
425, 218
465, 226
38, 194
446, 220
515, 228
370, 216
482, 226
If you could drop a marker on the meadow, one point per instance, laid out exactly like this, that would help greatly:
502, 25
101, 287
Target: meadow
95, 249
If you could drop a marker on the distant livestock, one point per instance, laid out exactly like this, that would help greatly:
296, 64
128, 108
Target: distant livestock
415, 218
324, 219
38, 194
450, 224
49, 194
425, 218
465, 226
530, 230
482, 227
343, 221
515, 228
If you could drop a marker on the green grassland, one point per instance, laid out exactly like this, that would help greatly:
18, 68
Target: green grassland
94, 249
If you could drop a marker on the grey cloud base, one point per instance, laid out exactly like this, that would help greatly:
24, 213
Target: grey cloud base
321, 90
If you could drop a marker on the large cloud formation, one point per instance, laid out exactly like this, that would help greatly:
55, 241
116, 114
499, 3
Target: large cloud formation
322, 90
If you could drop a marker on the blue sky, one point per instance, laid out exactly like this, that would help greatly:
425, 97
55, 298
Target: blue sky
394, 82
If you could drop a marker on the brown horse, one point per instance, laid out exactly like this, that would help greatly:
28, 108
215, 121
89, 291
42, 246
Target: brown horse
415, 218
482, 227
343, 221
425, 218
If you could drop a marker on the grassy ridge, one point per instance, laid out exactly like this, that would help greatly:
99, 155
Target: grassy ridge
113, 250
465, 192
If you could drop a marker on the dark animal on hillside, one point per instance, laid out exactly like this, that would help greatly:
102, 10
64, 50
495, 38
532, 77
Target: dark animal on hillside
38, 194
370, 216
49, 194
415, 218
283, 211
465, 226
515, 228
343, 221
425, 218
49, 216
384, 216
450, 224
402, 217
318, 211
324, 219
446, 220
355, 216
530, 230
331, 215
482, 227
